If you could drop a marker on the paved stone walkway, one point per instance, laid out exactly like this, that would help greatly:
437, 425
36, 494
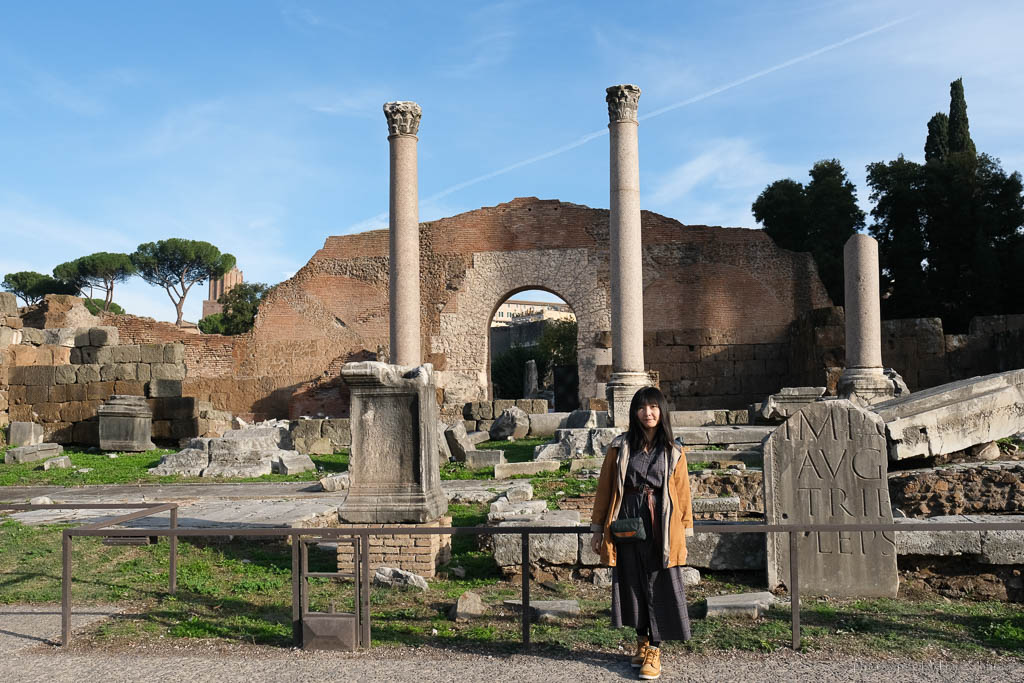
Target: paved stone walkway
257, 504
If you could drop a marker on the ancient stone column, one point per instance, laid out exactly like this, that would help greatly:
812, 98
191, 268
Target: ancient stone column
627, 288
863, 377
403, 124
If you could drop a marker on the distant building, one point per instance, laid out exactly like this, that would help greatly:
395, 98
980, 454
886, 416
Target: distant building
219, 286
518, 311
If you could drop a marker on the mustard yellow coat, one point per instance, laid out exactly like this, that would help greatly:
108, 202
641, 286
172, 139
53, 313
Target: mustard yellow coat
676, 508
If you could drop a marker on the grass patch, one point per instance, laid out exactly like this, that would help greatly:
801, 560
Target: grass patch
241, 592
133, 468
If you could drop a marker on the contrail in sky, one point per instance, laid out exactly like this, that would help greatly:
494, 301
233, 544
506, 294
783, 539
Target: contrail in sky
658, 112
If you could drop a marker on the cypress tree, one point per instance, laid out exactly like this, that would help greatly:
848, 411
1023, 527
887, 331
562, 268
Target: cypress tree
959, 129
936, 147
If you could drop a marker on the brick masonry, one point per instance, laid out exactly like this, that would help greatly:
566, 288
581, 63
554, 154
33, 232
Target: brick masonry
418, 554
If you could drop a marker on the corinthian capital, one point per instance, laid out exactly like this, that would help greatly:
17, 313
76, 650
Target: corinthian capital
622, 102
403, 117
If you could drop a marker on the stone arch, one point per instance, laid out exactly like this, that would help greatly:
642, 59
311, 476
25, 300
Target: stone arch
464, 339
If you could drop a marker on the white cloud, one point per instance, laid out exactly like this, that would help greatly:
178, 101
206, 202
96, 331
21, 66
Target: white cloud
364, 102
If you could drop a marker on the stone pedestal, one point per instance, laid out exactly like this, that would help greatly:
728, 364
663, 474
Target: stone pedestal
404, 234
126, 424
619, 391
863, 377
394, 465
827, 465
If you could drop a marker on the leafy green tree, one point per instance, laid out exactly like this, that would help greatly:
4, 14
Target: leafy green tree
101, 270
177, 264
94, 306
951, 230
936, 146
558, 342
212, 324
819, 217
31, 287
897, 190
959, 129
240, 305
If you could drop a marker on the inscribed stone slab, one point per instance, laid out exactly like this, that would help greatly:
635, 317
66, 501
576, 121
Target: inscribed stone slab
827, 465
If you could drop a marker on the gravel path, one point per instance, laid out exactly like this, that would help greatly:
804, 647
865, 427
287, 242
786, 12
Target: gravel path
431, 664
26, 656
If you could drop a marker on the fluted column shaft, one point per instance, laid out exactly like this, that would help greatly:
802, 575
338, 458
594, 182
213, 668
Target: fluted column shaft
404, 238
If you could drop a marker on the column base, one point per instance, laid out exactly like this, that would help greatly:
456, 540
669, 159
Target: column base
866, 385
619, 392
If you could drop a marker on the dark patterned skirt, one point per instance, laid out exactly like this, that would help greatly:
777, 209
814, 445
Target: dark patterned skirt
644, 594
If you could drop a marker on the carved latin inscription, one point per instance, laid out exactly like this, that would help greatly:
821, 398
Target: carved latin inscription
827, 465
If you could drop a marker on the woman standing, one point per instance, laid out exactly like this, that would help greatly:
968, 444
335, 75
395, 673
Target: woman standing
644, 479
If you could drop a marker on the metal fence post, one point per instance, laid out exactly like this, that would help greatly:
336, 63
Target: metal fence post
296, 592
526, 589
794, 588
364, 542
65, 589
174, 551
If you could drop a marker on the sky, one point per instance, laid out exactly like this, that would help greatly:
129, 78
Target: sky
256, 125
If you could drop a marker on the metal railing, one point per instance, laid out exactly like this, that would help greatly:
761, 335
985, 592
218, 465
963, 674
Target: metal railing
295, 537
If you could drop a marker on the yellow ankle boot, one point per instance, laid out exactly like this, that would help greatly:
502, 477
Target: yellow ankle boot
651, 668
641, 651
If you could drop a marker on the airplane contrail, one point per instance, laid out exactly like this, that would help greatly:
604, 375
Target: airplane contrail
663, 110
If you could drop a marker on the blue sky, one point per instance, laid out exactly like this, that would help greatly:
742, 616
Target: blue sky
257, 126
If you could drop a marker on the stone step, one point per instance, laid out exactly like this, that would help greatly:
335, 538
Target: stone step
711, 505
727, 434
476, 460
748, 605
709, 418
510, 469
750, 457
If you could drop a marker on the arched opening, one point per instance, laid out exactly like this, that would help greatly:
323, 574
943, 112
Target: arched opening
532, 348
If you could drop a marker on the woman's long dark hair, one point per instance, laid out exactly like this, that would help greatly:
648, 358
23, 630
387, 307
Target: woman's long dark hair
662, 433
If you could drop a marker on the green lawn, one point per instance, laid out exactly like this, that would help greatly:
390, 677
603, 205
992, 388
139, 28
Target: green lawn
133, 468
241, 592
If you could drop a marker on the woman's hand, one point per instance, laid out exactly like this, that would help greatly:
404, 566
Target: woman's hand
595, 541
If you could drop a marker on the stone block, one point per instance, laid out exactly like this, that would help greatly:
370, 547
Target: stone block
479, 426
601, 439
33, 375
239, 470
477, 438
458, 441
31, 335
37, 394
130, 388
548, 611
588, 558
26, 454
77, 411
77, 392
62, 462
143, 371
335, 482
502, 510
501, 405
8, 304
444, 451
551, 451
593, 463
479, 410
65, 374
173, 408
126, 353
151, 353
468, 607
827, 465
476, 460
126, 424
394, 469
291, 462
513, 423
506, 470
574, 441
167, 371
546, 548
726, 551
163, 388
86, 433
545, 424
99, 391
937, 543
391, 577
87, 373
746, 605
585, 419
174, 353
338, 431
104, 336
26, 434
82, 337
954, 416
9, 337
